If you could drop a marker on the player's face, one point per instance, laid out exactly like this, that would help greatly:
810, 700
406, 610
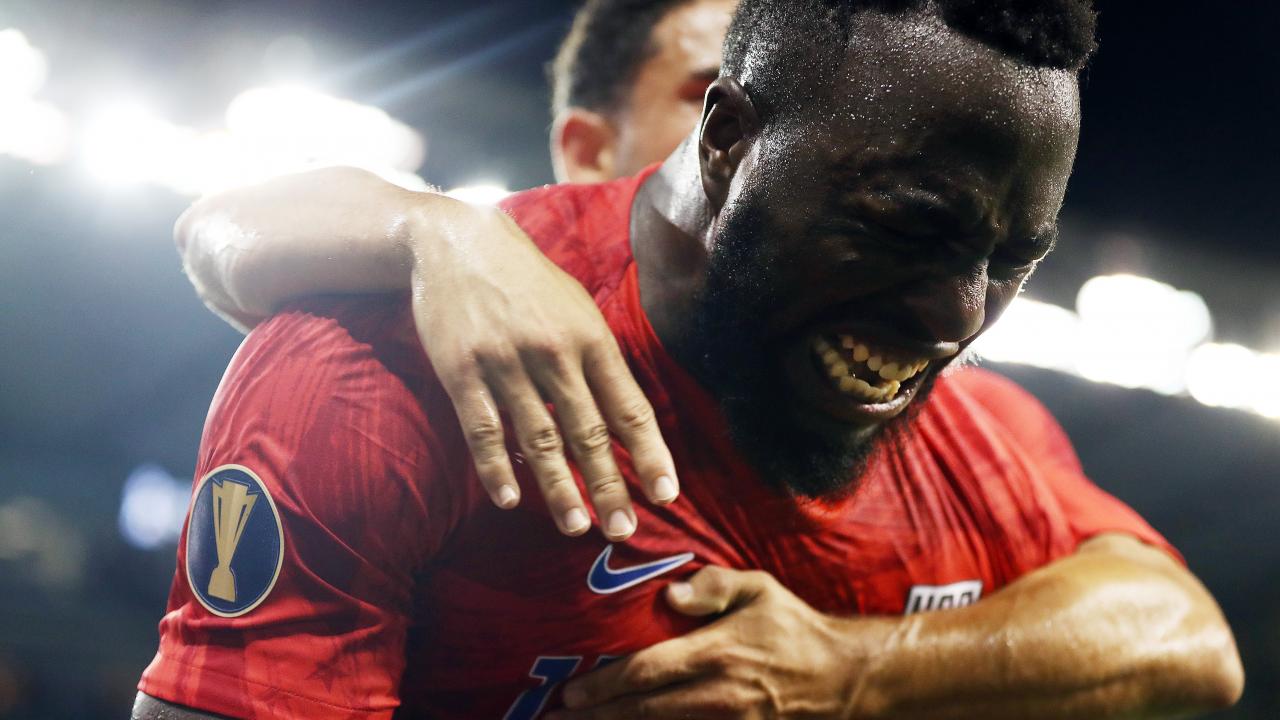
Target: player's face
864, 246
665, 101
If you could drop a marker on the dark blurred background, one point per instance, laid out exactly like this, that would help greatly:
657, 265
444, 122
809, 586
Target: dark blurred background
113, 114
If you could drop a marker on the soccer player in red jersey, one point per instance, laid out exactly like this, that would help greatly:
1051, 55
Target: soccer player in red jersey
788, 288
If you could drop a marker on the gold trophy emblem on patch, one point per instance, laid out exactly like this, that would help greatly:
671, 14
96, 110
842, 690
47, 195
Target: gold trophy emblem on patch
234, 541
232, 504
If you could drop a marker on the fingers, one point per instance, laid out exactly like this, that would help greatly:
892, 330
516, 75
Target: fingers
667, 663
631, 418
715, 590
540, 440
588, 439
482, 430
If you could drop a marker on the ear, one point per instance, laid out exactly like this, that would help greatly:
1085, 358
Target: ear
729, 123
582, 145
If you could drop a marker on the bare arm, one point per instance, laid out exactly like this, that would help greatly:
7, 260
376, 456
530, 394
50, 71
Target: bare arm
1119, 629
249, 250
503, 325
1116, 630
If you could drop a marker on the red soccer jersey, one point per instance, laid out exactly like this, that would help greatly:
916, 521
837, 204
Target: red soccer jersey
341, 560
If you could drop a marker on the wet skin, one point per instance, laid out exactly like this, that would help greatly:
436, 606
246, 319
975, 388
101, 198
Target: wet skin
905, 203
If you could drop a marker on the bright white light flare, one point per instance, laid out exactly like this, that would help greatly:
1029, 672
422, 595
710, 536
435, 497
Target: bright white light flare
1138, 332
270, 131
30, 129
153, 507
1033, 333
480, 194
23, 68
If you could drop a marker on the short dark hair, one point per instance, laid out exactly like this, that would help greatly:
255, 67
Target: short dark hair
1043, 33
599, 59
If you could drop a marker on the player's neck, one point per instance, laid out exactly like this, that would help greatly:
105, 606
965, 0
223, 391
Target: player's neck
670, 221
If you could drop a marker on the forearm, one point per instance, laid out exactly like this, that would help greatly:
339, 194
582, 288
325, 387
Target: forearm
331, 230
1119, 631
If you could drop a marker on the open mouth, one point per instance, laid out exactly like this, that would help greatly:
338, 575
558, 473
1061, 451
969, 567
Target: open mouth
865, 372
856, 380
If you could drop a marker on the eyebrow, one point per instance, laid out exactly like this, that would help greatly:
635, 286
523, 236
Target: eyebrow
942, 212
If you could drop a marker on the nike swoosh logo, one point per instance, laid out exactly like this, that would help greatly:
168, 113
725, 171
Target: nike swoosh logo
605, 580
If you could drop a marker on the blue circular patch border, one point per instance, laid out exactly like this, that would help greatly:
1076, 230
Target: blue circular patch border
275, 514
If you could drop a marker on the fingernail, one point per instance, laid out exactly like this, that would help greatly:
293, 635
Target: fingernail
620, 523
680, 591
507, 497
664, 489
576, 520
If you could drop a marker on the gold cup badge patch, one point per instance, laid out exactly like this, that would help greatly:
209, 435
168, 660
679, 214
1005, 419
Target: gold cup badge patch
235, 542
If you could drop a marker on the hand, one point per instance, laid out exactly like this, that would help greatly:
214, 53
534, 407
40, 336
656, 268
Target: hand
770, 656
506, 329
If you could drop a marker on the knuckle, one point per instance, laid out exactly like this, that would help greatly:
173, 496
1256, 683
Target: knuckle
500, 358
637, 674
590, 439
636, 414
608, 484
713, 577
601, 337
720, 663
483, 435
547, 345
454, 367
543, 440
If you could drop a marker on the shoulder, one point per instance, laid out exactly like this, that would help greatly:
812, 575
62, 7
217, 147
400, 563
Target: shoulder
335, 394
585, 229
996, 403
308, 340
325, 486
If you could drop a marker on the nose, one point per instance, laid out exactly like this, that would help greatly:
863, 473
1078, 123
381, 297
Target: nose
950, 307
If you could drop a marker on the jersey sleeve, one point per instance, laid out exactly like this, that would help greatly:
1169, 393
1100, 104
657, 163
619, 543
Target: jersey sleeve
316, 503
1089, 510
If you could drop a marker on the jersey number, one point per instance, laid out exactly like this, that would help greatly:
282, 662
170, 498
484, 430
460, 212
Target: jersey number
550, 670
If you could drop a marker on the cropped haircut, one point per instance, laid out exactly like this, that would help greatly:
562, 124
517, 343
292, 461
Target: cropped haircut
783, 43
599, 59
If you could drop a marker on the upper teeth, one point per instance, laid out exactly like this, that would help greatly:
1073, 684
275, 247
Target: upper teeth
841, 362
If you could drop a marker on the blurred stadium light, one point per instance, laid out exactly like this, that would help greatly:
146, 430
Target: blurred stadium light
127, 143
30, 129
152, 507
1136, 332
269, 132
1033, 333
1233, 376
480, 194
1126, 330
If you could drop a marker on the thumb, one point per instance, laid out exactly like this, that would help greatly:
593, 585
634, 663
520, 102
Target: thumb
715, 590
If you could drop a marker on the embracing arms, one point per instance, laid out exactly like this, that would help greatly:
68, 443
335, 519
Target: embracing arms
503, 325
1116, 630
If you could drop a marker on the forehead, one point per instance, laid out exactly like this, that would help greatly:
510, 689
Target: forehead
916, 107
692, 34
911, 78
